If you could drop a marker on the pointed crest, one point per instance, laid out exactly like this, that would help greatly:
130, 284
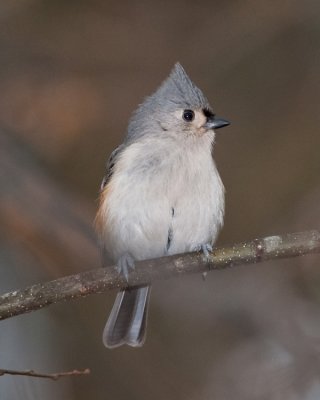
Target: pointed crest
180, 90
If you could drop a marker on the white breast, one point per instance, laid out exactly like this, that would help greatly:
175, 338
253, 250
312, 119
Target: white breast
158, 186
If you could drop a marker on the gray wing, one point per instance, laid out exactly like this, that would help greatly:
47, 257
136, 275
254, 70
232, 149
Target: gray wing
110, 165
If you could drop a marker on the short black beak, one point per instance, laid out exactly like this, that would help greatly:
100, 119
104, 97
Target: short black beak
216, 123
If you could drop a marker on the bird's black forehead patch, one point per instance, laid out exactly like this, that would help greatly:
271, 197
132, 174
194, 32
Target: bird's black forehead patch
207, 112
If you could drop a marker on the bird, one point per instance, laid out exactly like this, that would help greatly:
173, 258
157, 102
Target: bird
161, 194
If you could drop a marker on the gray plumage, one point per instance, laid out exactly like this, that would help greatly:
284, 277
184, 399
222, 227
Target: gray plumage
177, 91
127, 321
161, 195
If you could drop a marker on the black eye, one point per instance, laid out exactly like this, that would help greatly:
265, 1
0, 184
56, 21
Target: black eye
188, 115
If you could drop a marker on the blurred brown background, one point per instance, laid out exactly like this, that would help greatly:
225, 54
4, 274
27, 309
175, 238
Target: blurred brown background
71, 73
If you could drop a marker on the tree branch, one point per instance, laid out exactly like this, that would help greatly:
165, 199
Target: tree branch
54, 376
103, 279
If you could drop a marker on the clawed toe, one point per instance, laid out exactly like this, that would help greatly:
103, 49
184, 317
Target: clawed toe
205, 248
124, 264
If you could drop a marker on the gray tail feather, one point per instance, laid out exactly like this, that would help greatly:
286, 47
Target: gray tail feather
127, 321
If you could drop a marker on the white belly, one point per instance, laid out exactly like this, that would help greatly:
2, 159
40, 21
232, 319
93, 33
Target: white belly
147, 198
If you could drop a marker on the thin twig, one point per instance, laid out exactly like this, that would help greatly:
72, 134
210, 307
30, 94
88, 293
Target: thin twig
54, 376
103, 279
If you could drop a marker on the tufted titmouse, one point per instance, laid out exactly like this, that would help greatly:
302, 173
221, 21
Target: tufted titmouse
161, 195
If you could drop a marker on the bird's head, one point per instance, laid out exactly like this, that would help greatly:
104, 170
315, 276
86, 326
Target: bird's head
178, 107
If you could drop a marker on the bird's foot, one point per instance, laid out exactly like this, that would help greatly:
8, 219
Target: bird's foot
124, 264
205, 248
